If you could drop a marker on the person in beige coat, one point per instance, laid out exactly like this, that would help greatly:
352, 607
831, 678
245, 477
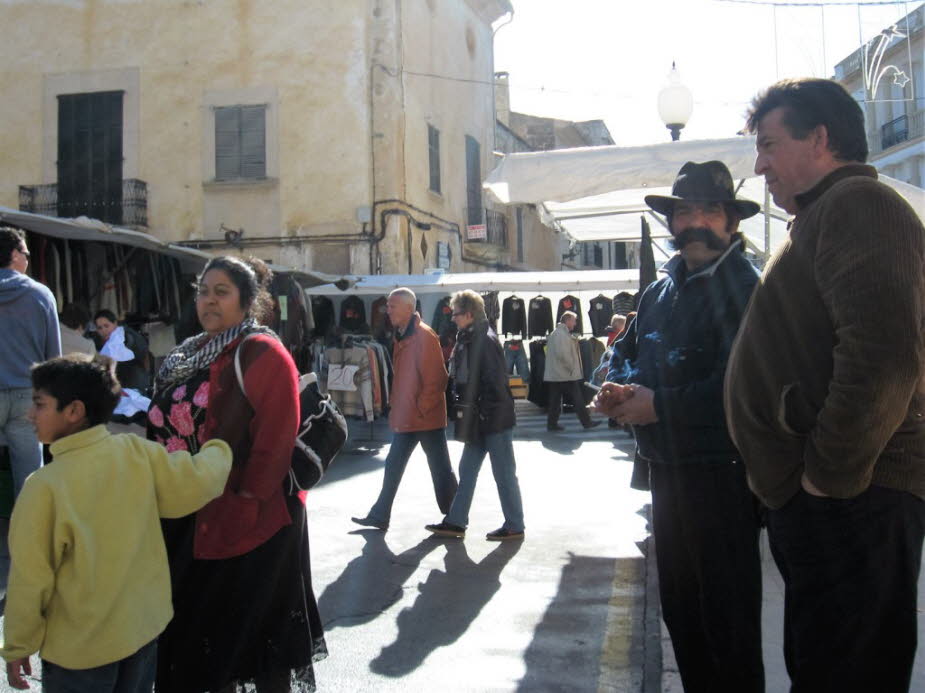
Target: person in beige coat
563, 373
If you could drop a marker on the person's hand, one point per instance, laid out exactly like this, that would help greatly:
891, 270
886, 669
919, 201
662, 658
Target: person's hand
610, 396
638, 409
15, 671
811, 488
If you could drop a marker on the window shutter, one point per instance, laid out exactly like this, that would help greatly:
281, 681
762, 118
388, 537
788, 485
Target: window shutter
227, 143
240, 142
473, 181
253, 142
433, 151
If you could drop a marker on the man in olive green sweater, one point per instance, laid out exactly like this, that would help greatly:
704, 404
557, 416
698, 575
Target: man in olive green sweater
825, 395
90, 585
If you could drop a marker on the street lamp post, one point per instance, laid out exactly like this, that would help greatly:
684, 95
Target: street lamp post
675, 103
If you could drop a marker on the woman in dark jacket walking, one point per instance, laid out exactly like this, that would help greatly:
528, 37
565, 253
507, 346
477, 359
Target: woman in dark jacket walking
484, 420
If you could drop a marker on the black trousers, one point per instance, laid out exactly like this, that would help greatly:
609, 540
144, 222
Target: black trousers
851, 570
706, 524
554, 406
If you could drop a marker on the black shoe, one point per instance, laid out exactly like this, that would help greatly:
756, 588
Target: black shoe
504, 535
555, 428
594, 424
370, 522
445, 529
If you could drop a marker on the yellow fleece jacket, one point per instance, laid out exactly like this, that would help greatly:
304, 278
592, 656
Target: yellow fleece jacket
89, 581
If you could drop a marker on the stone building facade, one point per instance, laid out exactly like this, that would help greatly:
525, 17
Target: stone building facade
347, 136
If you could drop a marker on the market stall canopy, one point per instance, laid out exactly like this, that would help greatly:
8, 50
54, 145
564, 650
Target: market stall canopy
596, 280
85, 229
596, 193
568, 174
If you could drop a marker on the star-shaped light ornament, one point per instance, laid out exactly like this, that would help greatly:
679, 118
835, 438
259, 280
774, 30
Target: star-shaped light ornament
900, 79
423, 246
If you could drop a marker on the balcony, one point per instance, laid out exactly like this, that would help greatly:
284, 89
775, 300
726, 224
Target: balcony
899, 130
131, 209
894, 132
495, 227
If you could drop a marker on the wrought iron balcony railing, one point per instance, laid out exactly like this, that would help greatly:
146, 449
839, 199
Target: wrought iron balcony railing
894, 132
130, 209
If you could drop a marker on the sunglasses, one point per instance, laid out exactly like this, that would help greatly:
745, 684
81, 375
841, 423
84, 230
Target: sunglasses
456, 315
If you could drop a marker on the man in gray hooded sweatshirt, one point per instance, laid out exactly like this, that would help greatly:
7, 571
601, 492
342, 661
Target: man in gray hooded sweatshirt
29, 333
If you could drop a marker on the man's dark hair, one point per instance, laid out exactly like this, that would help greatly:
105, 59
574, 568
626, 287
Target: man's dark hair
90, 379
808, 103
75, 316
10, 239
105, 313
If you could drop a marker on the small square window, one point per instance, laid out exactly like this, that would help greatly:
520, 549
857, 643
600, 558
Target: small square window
240, 142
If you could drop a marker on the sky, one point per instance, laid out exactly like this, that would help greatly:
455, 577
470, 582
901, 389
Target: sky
608, 59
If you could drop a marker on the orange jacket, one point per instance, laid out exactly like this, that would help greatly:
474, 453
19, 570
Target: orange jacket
418, 396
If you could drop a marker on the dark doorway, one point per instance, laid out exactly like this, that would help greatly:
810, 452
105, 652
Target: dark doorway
90, 155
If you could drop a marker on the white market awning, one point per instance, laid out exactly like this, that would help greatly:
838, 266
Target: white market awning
568, 281
597, 193
561, 175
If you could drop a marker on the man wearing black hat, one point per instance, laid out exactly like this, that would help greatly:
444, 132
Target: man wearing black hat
673, 359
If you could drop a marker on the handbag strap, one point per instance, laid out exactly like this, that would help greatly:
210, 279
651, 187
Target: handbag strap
237, 362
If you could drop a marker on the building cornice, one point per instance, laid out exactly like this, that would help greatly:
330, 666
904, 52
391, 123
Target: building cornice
490, 10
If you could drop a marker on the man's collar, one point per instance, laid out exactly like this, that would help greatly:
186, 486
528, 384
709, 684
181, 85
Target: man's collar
408, 329
675, 265
805, 199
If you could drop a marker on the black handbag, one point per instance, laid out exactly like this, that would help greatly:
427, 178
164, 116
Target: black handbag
467, 423
322, 432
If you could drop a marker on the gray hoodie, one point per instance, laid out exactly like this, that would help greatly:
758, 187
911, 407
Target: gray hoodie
29, 331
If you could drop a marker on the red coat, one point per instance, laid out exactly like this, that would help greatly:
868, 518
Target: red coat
261, 431
418, 396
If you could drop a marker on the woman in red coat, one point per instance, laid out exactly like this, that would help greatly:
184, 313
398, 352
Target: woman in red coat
242, 595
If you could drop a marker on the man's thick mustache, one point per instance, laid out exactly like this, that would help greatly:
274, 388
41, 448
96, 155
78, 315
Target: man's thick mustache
696, 233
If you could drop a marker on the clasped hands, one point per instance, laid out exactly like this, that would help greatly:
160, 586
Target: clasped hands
627, 404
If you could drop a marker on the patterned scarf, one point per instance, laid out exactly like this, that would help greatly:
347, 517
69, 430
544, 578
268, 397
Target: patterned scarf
200, 351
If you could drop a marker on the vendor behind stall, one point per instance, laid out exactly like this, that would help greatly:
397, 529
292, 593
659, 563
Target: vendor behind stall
127, 347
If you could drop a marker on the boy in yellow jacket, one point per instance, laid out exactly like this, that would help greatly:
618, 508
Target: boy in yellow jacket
89, 583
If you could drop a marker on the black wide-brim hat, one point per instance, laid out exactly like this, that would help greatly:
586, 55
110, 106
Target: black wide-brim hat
706, 182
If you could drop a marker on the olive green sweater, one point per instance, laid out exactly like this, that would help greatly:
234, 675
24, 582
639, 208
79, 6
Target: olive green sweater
826, 375
89, 581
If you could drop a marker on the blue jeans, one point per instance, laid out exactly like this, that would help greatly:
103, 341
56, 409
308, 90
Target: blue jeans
500, 448
438, 459
517, 358
19, 434
134, 674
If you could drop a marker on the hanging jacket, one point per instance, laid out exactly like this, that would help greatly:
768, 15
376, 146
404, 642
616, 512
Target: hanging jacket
573, 304
442, 323
599, 314
539, 317
353, 315
514, 316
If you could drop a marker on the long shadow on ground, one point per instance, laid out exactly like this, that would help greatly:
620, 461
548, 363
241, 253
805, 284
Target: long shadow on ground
449, 601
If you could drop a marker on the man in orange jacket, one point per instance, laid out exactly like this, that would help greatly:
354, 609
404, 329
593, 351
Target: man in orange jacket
418, 412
